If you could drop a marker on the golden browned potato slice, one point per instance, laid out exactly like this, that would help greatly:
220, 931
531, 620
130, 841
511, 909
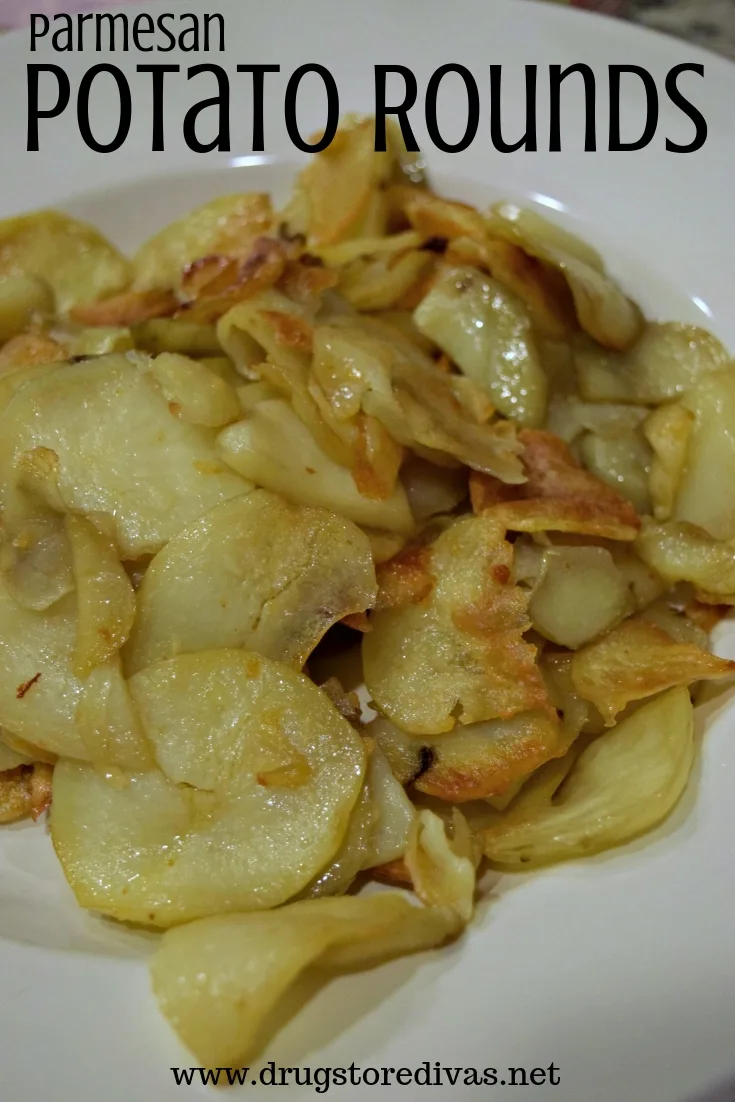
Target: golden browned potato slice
275, 449
667, 430
25, 790
638, 659
227, 225
459, 653
73, 258
477, 762
120, 450
217, 980
256, 572
603, 310
704, 495
258, 777
623, 784
665, 361
558, 495
487, 332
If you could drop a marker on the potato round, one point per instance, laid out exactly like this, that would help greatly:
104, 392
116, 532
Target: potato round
256, 572
258, 777
121, 450
39, 693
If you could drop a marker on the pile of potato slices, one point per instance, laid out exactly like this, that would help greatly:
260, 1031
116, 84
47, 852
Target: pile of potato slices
377, 441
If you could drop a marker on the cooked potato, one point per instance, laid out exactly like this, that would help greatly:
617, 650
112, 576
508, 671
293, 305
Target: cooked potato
623, 462
24, 791
227, 226
275, 449
105, 596
108, 724
23, 298
188, 338
256, 572
680, 552
603, 310
35, 555
252, 758
558, 495
393, 813
667, 430
442, 869
71, 257
100, 341
39, 692
477, 762
581, 594
459, 653
569, 417
120, 450
487, 331
624, 783
379, 283
193, 392
433, 490
667, 359
704, 495
217, 980
636, 660
350, 858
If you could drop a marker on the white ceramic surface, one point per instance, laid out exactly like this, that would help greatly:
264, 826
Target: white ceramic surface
620, 971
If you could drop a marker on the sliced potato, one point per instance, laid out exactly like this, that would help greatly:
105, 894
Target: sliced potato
704, 496
581, 594
637, 659
73, 258
442, 869
622, 462
667, 430
100, 341
680, 552
108, 724
477, 762
433, 490
24, 791
664, 362
254, 760
194, 393
487, 331
120, 450
623, 784
393, 813
35, 555
23, 298
217, 980
188, 338
105, 596
225, 226
603, 310
558, 495
256, 572
458, 653
351, 856
38, 690
569, 417
275, 449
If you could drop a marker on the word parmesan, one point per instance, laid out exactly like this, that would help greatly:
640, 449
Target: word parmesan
103, 32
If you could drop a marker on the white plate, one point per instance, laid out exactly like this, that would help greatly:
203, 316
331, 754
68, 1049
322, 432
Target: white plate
620, 971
